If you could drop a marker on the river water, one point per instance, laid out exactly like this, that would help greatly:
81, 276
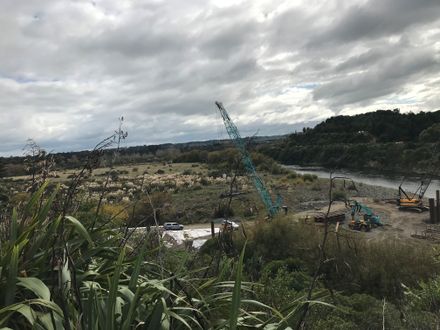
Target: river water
387, 181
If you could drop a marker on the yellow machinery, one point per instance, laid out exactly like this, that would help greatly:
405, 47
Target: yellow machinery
413, 202
368, 220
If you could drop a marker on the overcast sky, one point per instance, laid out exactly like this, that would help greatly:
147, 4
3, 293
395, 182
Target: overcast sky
69, 69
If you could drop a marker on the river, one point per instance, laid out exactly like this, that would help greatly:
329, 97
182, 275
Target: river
387, 181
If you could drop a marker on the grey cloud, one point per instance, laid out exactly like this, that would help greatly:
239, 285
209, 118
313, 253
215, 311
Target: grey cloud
378, 18
362, 61
229, 41
383, 79
69, 69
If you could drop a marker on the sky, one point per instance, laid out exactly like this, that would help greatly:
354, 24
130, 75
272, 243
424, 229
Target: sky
70, 69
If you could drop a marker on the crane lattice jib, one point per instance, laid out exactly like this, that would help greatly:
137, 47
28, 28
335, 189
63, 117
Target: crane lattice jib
234, 134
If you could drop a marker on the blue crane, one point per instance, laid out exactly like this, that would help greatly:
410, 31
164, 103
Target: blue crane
272, 208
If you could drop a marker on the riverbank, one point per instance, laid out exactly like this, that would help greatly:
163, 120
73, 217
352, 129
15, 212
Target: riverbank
316, 195
385, 180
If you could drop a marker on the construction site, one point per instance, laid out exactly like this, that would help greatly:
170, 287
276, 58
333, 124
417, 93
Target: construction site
233, 209
399, 213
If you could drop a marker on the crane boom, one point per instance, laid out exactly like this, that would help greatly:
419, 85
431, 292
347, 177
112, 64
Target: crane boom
234, 134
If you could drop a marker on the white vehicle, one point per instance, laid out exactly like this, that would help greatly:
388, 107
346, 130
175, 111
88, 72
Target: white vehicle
172, 226
231, 224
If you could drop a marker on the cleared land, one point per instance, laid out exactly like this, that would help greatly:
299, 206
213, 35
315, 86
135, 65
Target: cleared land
192, 194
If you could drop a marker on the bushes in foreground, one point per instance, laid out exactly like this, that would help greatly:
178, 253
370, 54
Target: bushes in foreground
57, 272
358, 277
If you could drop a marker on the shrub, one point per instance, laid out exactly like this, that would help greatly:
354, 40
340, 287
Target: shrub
215, 173
309, 177
292, 175
277, 169
108, 283
339, 195
116, 212
280, 286
317, 187
223, 211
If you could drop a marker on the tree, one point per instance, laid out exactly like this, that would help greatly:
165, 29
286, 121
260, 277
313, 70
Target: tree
39, 164
431, 134
2, 169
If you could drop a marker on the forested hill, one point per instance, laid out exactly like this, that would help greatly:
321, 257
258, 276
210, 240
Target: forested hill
379, 126
380, 140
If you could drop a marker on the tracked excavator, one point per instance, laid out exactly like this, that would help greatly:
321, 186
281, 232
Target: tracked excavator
362, 217
413, 201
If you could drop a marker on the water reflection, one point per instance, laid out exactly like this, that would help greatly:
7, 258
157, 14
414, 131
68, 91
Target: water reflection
387, 181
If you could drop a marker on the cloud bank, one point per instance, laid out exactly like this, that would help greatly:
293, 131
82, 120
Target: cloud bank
69, 69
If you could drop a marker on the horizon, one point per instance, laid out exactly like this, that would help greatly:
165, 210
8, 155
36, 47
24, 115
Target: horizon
69, 70
224, 137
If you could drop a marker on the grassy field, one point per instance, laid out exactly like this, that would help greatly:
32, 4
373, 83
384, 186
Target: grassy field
189, 193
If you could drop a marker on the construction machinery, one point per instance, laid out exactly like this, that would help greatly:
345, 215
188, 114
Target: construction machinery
362, 217
413, 201
271, 207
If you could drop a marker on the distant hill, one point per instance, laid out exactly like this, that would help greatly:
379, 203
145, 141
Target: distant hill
380, 140
379, 126
14, 166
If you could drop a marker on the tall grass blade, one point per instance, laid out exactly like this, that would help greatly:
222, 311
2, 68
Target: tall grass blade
36, 286
34, 199
27, 311
11, 281
14, 227
236, 295
137, 268
80, 228
156, 316
129, 316
42, 214
112, 296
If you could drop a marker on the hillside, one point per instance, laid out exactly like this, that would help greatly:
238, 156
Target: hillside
380, 140
16, 165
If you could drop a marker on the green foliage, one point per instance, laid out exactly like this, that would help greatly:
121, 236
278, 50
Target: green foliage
223, 211
187, 172
381, 126
339, 195
55, 273
426, 296
144, 211
292, 175
431, 134
282, 256
377, 268
4, 195
229, 160
193, 156
381, 140
309, 177
358, 311
282, 282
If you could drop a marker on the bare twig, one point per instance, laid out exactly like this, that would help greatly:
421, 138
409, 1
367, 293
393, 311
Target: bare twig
321, 260
159, 238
